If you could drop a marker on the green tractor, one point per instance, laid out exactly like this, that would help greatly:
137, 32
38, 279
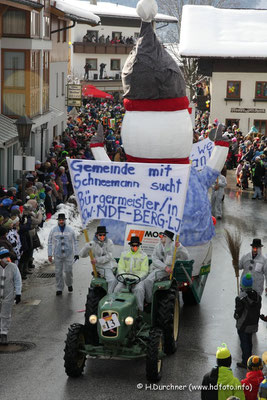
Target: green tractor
115, 328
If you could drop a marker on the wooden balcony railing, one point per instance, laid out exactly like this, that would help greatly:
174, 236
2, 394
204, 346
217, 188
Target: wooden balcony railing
101, 48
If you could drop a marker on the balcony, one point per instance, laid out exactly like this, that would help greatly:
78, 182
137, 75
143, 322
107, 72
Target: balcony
101, 48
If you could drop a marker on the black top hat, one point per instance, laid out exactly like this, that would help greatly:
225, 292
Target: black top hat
256, 243
61, 216
134, 240
101, 229
168, 234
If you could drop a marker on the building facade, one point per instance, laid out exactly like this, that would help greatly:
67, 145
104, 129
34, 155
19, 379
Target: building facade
108, 44
34, 53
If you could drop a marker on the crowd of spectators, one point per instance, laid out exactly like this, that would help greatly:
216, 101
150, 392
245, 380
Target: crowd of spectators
247, 154
49, 184
91, 38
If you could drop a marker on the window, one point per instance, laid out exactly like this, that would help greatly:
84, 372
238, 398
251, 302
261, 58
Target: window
35, 24
46, 27
261, 90
45, 81
233, 89
116, 35
35, 84
230, 122
58, 27
64, 32
14, 82
92, 62
115, 65
57, 84
63, 84
261, 125
14, 22
14, 69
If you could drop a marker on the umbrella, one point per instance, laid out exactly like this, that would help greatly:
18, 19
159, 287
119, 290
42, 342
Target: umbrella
92, 91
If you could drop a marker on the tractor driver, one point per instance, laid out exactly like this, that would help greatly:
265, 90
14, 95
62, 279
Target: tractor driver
134, 261
162, 260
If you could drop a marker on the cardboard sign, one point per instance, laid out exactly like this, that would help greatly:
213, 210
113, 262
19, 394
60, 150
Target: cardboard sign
147, 194
200, 153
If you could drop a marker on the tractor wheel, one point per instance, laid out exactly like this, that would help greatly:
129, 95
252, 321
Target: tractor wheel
153, 355
168, 315
93, 298
189, 298
74, 358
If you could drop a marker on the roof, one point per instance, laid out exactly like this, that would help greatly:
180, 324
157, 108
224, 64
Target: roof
215, 32
105, 9
73, 10
29, 3
8, 130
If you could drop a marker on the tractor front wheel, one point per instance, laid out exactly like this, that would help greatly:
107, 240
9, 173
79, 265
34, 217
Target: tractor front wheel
74, 357
91, 307
168, 318
154, 355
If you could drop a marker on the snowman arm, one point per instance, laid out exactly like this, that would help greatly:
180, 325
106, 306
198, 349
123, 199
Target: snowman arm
218, 156
99, 152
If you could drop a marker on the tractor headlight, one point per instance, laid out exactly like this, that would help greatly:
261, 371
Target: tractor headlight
93, 319
129, 321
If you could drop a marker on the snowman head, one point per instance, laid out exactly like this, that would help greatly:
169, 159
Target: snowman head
156, 124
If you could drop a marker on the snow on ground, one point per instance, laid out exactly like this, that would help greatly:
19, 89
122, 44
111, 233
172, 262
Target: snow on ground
72, 218
214, 32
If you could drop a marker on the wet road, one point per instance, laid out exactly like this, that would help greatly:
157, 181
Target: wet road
43, 319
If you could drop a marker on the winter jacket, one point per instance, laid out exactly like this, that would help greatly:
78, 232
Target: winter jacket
219, 384
257, 267
60, 185
257, 174
247, 311
162, 255
49, 208
251, 384
24, 228
62, 244
102, 252
134, 263
7, 245
14, 238
10, 284
262, 394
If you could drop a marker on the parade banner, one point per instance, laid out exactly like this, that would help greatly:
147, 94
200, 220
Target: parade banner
148, 194
200, 153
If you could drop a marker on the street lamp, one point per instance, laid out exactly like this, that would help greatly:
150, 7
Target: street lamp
24, 126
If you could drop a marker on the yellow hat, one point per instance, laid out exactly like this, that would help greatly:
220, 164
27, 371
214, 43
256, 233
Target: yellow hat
223, 352
264, 357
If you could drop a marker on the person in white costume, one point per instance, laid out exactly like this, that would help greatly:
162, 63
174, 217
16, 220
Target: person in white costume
10, 289
102, 249
217, 196
162, 261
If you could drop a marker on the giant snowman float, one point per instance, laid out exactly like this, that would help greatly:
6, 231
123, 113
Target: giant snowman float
157, 128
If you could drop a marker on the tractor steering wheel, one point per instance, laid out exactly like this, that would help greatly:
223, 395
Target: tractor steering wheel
126, 280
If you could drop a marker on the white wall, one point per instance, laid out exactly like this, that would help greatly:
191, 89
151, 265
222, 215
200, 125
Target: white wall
221, 109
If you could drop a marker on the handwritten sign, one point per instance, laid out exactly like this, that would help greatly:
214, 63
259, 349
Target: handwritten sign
200, 153
148, 194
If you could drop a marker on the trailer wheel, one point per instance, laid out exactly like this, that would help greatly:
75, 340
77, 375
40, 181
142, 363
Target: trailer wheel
154, 355
74, 358
168, 319
189, 298
94, 296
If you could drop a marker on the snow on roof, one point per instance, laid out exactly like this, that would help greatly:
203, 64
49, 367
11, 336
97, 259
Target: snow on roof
74, 10
105, 9
214, 32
